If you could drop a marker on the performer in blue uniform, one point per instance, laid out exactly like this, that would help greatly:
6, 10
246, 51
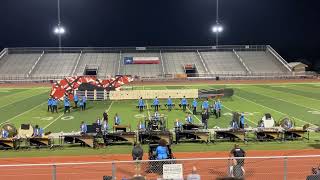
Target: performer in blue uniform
99, 121
66, 104
50, 104
37, 131
156, 104
189, 119
75, 100
205, 105
141, 104
117, 119
141, 126
54, 105
242, 120
184, 103
217, 108
83, 128
4, 134
81, 105
169, 103
84, 100
194, 105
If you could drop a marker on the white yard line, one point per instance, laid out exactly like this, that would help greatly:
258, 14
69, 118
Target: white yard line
147, 108
17, 100
273, 110
107, 110
290, 102
22, 113
54, 121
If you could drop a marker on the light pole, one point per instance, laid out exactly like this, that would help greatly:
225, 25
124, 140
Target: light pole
217, 28
59, 30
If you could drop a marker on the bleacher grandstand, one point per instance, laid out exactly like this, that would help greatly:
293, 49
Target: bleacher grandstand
209, 61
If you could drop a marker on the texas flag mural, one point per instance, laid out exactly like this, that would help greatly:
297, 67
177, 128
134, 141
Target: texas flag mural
141, 60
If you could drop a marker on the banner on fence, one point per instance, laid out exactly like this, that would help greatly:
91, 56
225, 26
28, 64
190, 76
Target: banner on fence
172, 171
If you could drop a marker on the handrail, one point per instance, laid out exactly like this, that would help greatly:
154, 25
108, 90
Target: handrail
77, 63
202, 61
120, 56
278, 57
242, 62
162, 64
3, 52
35, 64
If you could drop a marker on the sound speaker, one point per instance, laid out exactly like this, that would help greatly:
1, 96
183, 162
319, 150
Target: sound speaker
217, 78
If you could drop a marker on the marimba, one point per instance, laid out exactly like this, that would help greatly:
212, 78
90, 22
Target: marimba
230, 134
146, 136
84, 139
192, 132
120, 137
295, 133
269, 134
44, 141
9, 143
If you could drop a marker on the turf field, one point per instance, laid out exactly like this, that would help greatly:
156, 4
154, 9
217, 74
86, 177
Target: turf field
298, 101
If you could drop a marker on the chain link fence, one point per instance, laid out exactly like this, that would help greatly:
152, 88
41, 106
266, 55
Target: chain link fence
250, 168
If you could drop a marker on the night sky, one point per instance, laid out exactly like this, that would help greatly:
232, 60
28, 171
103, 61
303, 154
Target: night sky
292, 27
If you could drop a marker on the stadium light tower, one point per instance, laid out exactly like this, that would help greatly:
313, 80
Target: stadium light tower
217, 28
59, 30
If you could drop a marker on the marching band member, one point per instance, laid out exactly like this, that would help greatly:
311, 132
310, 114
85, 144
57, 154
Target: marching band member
117, 120
261, 124
194, 105
184, 103
157, 116
98, 121
169, 103
141, 104
141, 126
81, 105
75, 100
242, 120
189, 119
204, 118
84, 100
37, 132
205, 105
105, 126
4, 134
177, 124
66, 104
234, 124
156, 104
83, 128
54, 104
49, 104
217, 109
105, 116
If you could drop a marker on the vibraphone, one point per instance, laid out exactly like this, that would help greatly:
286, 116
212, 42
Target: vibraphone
154, 136
265, 134
120, 137
230, 134
192, 132
9, 143
85, 139
295, 134
44, 141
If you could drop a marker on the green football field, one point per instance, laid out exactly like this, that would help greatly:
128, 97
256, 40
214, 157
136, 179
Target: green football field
300, 102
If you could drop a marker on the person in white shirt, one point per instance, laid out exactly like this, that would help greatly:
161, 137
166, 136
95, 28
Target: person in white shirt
194, 175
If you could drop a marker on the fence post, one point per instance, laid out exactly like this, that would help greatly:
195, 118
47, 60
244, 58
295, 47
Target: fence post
54, 172
114, 177
285, 168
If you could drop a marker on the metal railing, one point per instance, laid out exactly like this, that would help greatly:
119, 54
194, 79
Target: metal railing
249, 168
